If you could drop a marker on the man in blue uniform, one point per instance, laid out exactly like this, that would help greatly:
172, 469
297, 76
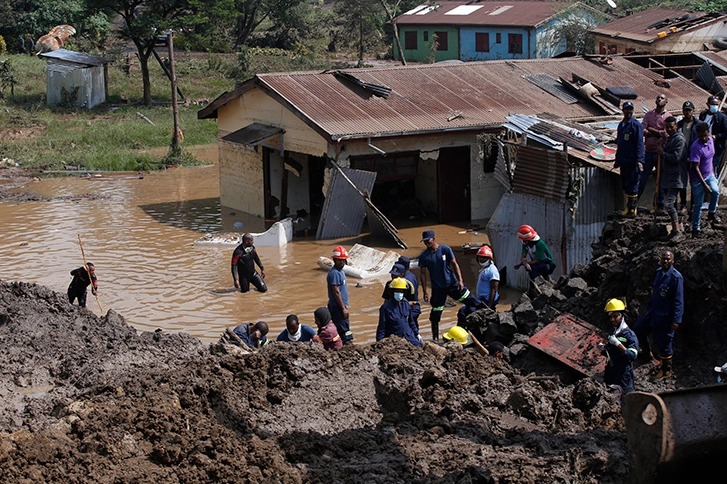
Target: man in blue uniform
244, 259
437, 263
630, 156
395, 315
338, 294
410, 294
622, 349
416, 308
664, 313
253, 335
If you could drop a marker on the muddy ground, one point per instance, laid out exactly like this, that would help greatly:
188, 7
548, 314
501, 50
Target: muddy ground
88, 399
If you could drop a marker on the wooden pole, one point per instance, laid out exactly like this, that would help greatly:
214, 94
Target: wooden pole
175, 107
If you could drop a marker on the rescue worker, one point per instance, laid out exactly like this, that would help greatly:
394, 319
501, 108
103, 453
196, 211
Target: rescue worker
541, 262
416, 309
702, 178
253, 335
622, 348
295, 332
496, 350
338, 294
327, 332
629, 156
664, 312
244, 259
458, 334
395, 315
488, 282
438, 265
398, 271
83, 277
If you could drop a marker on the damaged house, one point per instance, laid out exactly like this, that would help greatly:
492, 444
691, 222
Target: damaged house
407, 137
660, 31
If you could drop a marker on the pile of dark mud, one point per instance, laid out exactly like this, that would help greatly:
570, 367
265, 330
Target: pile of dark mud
87, 399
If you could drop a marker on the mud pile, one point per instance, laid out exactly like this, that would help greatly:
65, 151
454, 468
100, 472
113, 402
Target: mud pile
87, 399
624, 263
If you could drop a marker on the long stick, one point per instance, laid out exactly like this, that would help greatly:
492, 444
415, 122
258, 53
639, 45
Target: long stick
658, 176
85, 265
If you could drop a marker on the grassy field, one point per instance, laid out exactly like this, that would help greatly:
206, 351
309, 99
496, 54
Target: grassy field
113, 136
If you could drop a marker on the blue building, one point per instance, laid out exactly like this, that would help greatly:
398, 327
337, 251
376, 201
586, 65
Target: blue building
477, 31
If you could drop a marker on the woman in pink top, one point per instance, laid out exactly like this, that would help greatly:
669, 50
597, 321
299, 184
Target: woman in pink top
327, 332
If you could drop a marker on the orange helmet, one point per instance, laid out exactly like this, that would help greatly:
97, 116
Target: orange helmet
485, 251
340, 252
526, 232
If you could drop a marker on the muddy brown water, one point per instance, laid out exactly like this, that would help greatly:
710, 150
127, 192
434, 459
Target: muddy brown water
140, 233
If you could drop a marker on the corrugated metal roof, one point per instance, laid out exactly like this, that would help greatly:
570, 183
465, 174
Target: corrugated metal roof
424, 98
644, 26
495, 13
75, 57
541, 172
717, 59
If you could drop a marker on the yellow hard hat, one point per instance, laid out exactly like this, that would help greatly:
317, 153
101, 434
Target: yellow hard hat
615, 305
398, 283
458, 334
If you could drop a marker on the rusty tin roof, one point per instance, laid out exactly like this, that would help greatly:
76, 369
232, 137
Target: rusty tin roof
491, 13
647, 25
446, 97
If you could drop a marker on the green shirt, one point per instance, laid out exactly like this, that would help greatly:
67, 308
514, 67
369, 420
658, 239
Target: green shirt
539, 251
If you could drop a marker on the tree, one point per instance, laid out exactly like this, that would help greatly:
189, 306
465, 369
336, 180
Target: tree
571, 31
145, 20
362, 23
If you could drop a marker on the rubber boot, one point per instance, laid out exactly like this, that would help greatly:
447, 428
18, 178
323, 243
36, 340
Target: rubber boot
435, 332
665, 370
630, 210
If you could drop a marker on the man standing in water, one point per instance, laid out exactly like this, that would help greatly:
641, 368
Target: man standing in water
244, 259
338, 294
437, 264
82, 278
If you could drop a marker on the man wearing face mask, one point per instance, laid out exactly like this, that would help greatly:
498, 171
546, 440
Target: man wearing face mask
410, 294
654, 133
717, 122
395, 315
488, 282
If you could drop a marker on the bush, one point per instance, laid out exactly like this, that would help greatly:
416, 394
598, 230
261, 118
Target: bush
3, 46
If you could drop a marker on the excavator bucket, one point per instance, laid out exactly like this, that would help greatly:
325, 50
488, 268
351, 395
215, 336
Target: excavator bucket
678, 436
572, 341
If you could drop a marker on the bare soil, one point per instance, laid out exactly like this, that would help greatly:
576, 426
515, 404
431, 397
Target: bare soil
88, 399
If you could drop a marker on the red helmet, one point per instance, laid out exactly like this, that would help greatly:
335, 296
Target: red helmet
485, 251
340, 252
526, 232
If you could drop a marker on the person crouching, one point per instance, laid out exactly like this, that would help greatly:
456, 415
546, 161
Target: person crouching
395, 316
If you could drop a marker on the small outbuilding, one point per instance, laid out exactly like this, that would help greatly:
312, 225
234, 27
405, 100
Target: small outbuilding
75, 79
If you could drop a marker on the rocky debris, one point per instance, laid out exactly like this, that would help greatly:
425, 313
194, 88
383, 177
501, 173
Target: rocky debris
623, 265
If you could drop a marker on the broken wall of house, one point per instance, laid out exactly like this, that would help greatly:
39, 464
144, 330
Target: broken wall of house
241, 178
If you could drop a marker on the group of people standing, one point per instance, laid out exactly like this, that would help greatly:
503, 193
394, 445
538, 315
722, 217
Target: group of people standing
26, 44
658, 324
399, 314
685, 153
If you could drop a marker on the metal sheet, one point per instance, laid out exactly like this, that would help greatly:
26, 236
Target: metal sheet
252, 134
75, 57
541, 172
344, 208
491, 13
552, 86
572, 341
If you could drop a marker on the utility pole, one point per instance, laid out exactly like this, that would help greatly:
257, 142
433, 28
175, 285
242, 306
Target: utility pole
175, 107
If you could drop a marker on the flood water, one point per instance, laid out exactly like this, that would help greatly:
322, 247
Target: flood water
139, 233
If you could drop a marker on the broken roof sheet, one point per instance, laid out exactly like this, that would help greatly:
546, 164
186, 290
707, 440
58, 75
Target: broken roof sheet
513, 13
75, 57
645, 26
446, 97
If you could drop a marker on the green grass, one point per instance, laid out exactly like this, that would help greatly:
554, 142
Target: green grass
111, 136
